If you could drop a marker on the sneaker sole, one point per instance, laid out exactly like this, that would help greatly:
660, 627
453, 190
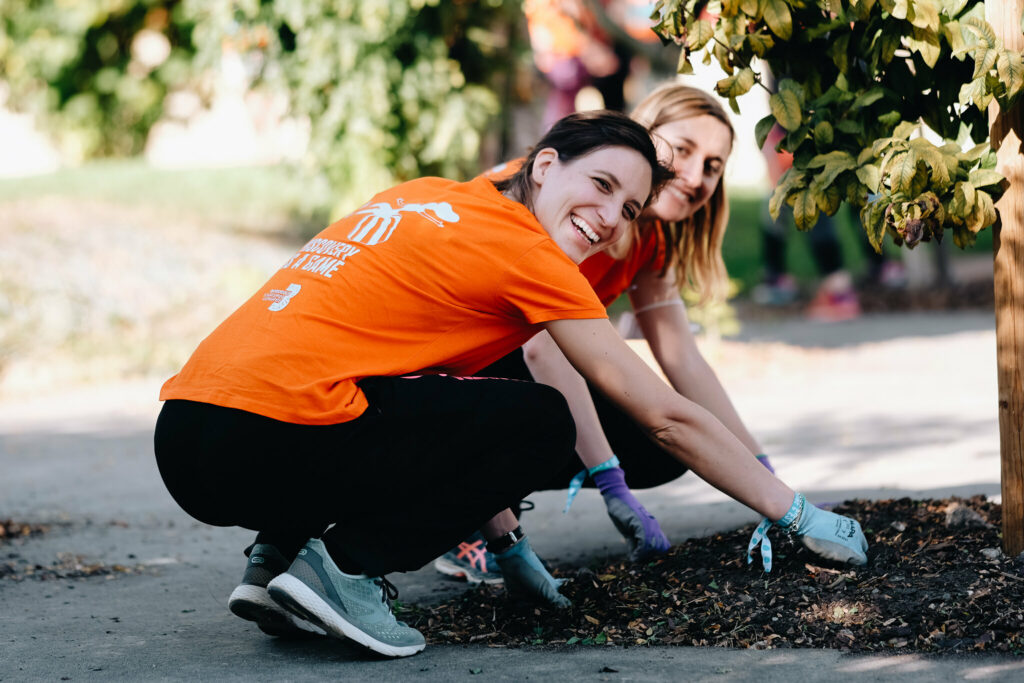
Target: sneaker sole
449, 568
253, 604
295, 596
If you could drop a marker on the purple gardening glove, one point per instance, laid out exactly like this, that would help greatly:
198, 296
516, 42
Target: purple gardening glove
641, 530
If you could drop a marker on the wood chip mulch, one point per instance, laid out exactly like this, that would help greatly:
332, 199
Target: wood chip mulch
936, 581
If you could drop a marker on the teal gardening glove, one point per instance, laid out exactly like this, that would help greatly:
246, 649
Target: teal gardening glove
526, 577
831, 536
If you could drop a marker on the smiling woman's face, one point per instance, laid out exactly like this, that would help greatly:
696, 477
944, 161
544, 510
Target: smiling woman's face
696, 149
586, 204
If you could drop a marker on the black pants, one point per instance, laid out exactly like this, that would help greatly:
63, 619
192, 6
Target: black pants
431, 460
645, 463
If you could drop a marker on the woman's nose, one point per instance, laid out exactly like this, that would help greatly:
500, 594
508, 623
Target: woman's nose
689, 171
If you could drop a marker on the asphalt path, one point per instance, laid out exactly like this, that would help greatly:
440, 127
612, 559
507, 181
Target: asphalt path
886, 406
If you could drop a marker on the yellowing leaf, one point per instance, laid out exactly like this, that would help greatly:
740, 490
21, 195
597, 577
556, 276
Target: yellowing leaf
981, 30
871, 217
699, 33
591, 619
870, 176
925, 42
901, 169
739, 83
981, 177
984, 60
805, 209
778, 18
955, 37
925, 14
790, 181
785, 106
750, 8
1011, 71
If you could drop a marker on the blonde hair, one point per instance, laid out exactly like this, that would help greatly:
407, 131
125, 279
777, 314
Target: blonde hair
693, 245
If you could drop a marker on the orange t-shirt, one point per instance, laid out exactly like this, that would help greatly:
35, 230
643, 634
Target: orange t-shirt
610, 277
430, 276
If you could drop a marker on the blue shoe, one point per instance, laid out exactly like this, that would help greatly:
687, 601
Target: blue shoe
470, 560
250, 601
345, 606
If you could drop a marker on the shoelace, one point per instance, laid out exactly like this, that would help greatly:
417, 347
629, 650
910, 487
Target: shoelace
388, 591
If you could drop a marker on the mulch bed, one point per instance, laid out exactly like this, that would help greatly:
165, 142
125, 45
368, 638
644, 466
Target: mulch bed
936, 581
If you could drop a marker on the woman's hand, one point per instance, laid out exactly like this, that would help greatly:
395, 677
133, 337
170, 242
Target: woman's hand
639, 527
526, 577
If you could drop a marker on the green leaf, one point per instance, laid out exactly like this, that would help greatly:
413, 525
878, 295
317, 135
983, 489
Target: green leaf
925, 42
805, 209
869, 97
870, 175
981, 177
750, 8
823, 134
850, 127
778, 18
699, 33
738, 84
785, 106
573, 640
762, 128
601, 638
838, 51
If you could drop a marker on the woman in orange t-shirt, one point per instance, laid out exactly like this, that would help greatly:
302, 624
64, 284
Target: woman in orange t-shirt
677, 240
324, 413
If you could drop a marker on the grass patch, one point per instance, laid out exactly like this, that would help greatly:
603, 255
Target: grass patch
253, 197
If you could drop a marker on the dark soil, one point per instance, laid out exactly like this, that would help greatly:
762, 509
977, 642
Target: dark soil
935, 581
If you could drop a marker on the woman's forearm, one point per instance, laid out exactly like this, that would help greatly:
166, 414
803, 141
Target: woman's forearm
549, 366
682, 428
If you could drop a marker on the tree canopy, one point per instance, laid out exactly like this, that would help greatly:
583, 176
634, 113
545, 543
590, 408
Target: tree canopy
855, 79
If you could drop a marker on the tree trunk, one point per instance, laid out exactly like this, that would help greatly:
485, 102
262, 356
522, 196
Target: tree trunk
1007, 133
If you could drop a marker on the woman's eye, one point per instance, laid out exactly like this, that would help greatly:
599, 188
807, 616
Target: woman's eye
629, 212
603, 184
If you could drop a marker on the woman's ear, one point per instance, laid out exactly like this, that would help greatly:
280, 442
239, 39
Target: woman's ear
542, 164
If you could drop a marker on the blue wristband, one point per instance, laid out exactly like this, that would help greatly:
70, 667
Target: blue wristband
577, 482
606, 465
795, 509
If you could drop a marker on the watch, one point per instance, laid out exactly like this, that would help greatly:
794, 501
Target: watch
505, 541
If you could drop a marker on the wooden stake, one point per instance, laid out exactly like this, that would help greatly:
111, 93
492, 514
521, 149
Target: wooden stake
1007, 132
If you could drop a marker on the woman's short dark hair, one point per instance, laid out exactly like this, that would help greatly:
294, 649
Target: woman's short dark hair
581, 133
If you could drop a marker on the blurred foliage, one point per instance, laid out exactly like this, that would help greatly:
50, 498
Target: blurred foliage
393, 89
857, 78
94, 72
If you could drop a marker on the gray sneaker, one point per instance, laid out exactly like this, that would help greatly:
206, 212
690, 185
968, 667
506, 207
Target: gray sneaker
355, 607
250, 601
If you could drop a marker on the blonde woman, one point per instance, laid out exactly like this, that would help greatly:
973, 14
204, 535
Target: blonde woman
676, 242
